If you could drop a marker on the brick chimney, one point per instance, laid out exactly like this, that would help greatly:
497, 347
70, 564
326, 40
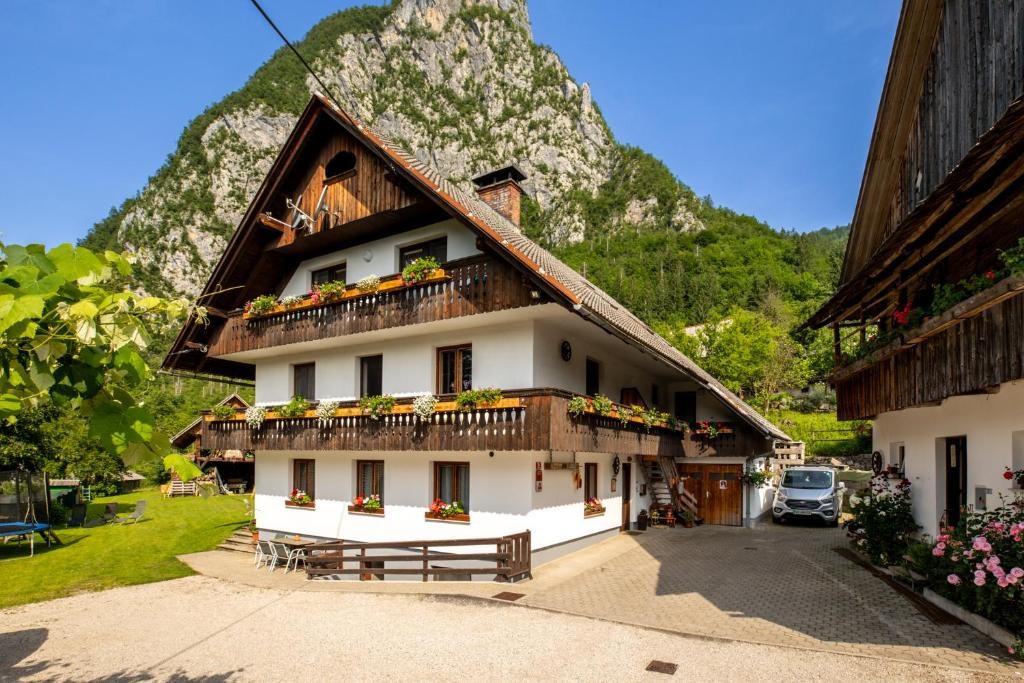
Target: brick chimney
501, 190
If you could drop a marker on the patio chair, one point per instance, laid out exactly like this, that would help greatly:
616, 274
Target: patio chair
77, 516
135, 516
287, 555
264, 553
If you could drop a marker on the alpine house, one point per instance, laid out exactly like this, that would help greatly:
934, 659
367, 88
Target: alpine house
424, 370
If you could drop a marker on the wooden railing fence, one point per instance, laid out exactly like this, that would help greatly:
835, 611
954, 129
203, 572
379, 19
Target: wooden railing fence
510, 560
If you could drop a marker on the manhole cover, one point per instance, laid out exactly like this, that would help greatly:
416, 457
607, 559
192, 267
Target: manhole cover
660, 667
507, 595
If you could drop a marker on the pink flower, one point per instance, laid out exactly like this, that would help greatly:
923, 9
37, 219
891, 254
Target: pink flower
937, 551
1012, 580
1017, 572
980, 574
979, 581
953, 579
955, 558
1002, 582
1011, 650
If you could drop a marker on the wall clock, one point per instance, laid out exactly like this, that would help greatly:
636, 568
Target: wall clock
566, 351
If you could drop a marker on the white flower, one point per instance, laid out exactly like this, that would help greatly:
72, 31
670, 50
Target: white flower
291, 300
883, 495
854, 500
325, 411
255, 415
424, 406
369, 283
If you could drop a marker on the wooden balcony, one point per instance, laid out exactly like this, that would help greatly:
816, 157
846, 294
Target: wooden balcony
479, 284
972, 348
531, 420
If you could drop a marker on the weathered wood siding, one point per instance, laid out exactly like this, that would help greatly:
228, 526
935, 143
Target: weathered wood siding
977, 70
372, 189
479, 284
974, 355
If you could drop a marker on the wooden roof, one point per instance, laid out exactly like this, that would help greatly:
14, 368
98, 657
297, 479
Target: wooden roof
911, 54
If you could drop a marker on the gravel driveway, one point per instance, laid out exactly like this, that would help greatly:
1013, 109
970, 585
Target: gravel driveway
204, 629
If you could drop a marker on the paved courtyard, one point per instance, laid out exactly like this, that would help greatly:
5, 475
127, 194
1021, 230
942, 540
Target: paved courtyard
780, 585
730, 604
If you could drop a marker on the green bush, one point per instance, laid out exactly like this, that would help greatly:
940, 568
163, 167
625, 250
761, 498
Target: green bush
296, 407
474, 398
820, 432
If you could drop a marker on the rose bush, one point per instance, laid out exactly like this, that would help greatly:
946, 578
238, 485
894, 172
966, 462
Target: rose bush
979, 564
882, 523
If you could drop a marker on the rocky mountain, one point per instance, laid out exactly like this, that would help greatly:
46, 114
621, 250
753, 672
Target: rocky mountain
460, 83
463, 85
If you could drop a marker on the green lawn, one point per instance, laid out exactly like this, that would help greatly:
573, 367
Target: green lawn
119, 555
820, 431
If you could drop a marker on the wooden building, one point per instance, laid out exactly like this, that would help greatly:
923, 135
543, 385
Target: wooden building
928, 319
314, 297
235, 468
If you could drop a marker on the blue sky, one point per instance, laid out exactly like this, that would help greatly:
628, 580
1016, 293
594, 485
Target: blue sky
766, 106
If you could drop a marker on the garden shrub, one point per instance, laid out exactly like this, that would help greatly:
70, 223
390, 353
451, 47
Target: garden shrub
882, 523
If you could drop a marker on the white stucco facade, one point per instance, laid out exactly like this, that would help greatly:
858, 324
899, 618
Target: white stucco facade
993, 425
503, 497
380, 257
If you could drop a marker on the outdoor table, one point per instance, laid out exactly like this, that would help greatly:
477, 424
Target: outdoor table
292, 542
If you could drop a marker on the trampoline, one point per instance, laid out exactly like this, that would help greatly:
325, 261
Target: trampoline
25, 508
23, 530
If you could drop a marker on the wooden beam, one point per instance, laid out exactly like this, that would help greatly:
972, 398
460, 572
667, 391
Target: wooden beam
269, 221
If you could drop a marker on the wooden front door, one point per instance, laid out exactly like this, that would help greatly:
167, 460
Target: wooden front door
627, 493
956, 477
718, 490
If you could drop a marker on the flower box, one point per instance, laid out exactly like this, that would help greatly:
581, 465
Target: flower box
392, 283
356, 411
359, 510
458, 518
305, 506
593, 513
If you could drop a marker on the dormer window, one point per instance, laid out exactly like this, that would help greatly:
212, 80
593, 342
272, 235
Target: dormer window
342, 165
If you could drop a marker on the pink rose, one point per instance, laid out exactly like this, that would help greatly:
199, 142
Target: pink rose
980, 574
937, 551
979, 581
953, 579
1018, 572
1002, 582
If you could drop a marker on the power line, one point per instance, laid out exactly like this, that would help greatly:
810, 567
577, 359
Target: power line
327, 91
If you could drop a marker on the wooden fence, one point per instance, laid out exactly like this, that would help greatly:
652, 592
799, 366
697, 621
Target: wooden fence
510, 560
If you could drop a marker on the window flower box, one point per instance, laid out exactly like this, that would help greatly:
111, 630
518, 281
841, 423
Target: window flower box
263, 309
593, 508
593, 513
360, 510
299, 499
461, 518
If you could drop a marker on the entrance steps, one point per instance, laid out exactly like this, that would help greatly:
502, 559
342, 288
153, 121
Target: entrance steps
239, 542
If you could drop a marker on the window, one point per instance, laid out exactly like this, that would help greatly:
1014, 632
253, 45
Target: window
589, 480
341, 165
304, 380
329, 274
655, 395
371, 376
686, 406
454, 369
451, 482
438, 248
370, 478
304, 476
593, 377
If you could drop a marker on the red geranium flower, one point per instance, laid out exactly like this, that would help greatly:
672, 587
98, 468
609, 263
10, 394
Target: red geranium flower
991, 275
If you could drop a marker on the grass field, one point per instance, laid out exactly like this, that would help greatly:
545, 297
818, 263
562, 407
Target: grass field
119, 555
818, 431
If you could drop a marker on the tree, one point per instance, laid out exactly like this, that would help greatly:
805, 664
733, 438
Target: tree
751, 355
67, 336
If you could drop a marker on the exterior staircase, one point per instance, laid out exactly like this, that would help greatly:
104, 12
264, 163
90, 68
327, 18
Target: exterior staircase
661, 474
238, 542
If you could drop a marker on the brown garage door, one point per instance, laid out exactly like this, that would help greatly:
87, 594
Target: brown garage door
718, 490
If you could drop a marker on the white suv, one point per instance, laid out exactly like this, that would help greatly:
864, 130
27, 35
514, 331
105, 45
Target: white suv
809, 492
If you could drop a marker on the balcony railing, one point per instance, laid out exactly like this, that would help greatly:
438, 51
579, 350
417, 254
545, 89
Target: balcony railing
479, 284
527, 420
